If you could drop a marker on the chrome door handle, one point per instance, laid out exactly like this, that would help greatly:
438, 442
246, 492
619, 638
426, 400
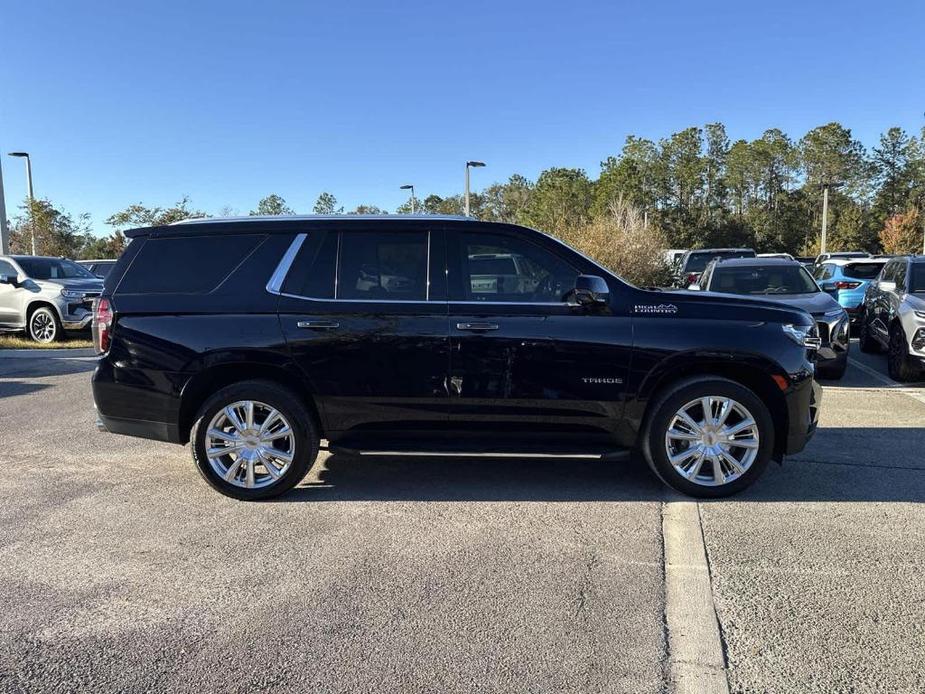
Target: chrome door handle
317, 324
477, 327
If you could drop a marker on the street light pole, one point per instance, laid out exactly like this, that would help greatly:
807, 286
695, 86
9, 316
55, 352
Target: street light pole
825, 211
4, 230
469, 165
409, 186
28, 159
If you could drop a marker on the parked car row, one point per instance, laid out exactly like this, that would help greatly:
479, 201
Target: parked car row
881, 297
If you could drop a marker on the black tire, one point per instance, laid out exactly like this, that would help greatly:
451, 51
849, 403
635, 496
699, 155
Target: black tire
44, 326
834, 372
900, 365
669, 403
304, 437
866, 341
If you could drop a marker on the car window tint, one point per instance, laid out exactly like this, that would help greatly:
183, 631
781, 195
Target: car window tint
862, 271
382, 265
497, 267
312, 273
899, 276
888, 272
186, 264
917, 278
7, 269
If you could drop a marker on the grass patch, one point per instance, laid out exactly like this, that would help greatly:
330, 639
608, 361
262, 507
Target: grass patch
17, 341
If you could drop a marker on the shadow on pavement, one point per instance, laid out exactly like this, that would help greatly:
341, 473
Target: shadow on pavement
10, 388
38, 367
841, 464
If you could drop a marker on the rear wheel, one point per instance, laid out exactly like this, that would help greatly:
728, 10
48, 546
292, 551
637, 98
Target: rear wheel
254, 440
899, 363
709, 437
866, 341
44, 325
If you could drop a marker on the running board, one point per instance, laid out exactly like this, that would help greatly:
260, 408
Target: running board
565, 455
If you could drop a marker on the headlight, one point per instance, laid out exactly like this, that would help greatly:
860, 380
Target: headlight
72, 294
803, 335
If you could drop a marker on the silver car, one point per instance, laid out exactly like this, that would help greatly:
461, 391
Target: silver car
45, 296
893, 317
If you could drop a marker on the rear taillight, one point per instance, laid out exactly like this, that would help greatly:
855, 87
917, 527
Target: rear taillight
692, 278
102, 325
847, 285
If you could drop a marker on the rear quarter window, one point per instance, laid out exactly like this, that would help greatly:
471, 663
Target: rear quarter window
187, 264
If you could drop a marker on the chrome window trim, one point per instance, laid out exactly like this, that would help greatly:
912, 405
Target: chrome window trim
275, 285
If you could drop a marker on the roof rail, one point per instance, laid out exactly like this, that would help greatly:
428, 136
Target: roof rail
321, 217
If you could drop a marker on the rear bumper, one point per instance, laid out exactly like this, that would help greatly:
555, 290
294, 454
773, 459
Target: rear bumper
803, 405
158, 431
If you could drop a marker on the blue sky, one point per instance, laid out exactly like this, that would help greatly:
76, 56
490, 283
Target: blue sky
122, 102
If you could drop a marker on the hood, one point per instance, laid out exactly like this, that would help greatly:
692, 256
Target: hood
684, 303
816, 303
916, 301
86, 284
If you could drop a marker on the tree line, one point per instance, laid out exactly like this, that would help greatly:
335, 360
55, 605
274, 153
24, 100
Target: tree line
695, 188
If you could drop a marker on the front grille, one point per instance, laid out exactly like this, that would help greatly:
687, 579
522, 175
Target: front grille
823, 331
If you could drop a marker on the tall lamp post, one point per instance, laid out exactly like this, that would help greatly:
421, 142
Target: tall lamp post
4, 231
825, 209
409, 186
28, 159
470, 165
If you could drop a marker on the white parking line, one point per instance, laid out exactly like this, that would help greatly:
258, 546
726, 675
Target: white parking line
913, 393
695, 648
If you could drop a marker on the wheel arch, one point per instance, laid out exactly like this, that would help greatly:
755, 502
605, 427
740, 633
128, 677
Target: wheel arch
215, 377
755, 373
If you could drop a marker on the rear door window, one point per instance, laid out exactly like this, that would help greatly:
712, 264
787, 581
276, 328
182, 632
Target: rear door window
187, 264
375, 265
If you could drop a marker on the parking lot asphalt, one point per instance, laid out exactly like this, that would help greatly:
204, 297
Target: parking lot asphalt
123, 571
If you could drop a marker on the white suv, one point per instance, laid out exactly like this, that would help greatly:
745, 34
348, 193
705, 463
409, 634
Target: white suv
45, 296
894, 317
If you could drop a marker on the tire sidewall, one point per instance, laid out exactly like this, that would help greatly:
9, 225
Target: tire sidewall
54, 321
294, 411
665, 409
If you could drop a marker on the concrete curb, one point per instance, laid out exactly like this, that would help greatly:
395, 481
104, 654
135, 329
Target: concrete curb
696, 661
54, 353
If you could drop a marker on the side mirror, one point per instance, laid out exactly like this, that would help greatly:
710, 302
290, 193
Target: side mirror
590, 290
693, 287
10, 280
886, 286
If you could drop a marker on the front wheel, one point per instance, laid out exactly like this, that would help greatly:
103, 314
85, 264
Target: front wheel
44, 325
254, 440
899, 363
709, 437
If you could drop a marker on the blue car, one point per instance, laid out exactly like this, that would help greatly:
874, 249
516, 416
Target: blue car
847, 280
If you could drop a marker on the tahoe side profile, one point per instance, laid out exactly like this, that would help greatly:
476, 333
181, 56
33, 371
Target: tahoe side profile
254, 339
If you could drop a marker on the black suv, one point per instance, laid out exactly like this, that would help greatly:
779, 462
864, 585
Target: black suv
257, 338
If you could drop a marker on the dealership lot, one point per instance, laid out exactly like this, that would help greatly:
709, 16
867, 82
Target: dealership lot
124, 571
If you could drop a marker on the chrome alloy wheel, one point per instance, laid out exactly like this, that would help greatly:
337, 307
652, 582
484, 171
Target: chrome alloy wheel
249, 444
712, 440
42, 326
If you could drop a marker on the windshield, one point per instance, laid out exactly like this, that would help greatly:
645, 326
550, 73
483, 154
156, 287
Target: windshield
53, 269
862, 271
917, 279
776, 279
697, 262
